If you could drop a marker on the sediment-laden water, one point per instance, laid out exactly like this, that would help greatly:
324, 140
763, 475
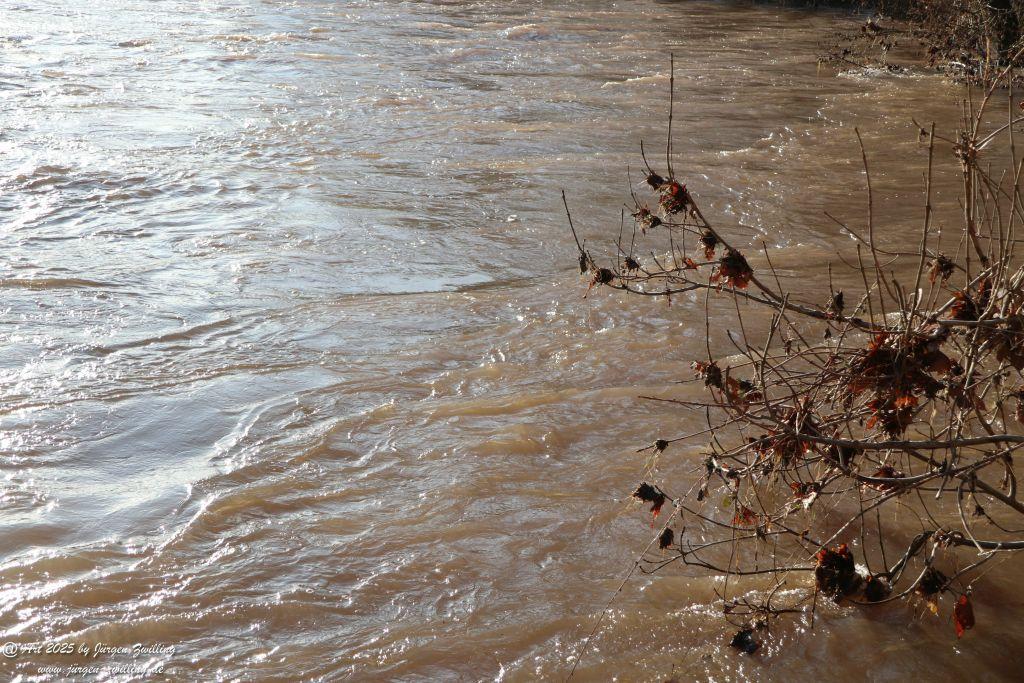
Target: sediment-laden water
297, 375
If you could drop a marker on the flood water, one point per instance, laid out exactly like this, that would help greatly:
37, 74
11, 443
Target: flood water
297, 375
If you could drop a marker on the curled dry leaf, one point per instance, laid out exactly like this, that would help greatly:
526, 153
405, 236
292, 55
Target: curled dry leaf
709, 372
941, 268
835, 573
805, 492
963, 615
645, 219
897, 369
603, 276
964, 396
666, 538
744, 516
966, 307
963, 307
674, 197
836, 304
733, 270
893, 414
779, 448
932, 581
709, 241
744, 641
885, 472
741, 392
984, 293
876, 588
650, 494
655, 180
1009, 346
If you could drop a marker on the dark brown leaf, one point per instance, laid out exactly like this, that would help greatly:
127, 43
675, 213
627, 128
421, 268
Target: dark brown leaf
652, 495
876, 589
744, 641
835, 573
932, 581
709, 241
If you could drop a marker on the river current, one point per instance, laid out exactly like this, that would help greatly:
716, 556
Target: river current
297, 377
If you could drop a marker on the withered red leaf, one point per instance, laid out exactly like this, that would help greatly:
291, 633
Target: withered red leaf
963, 615
964, 307
800, 489
733, 270
885, 472
892, 413
744, 517
905, 401
938, 362
674, 197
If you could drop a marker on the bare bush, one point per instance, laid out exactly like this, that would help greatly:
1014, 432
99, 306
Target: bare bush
898, 400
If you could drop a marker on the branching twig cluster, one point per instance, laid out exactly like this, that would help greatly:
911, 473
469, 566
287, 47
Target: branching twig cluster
901, 400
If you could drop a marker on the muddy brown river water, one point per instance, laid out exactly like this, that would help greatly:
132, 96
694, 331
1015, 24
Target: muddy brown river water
297, 375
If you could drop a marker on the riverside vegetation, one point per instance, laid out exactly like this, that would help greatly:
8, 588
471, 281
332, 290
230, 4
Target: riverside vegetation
832, 416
